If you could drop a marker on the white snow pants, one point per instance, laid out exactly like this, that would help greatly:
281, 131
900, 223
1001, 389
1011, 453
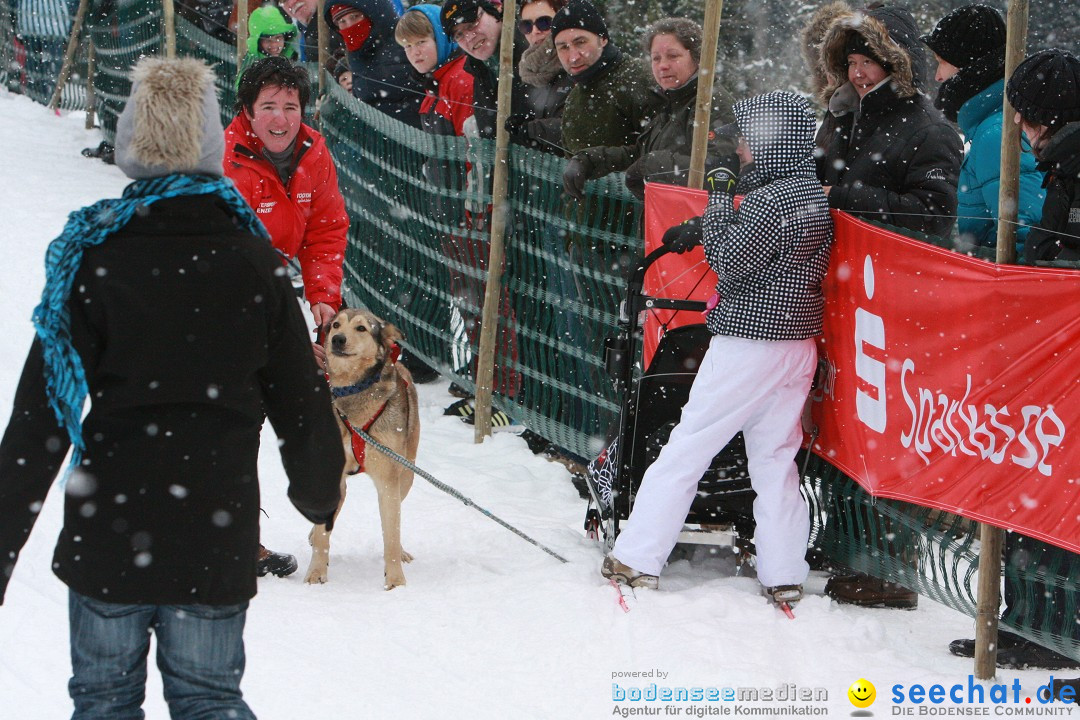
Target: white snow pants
759, 387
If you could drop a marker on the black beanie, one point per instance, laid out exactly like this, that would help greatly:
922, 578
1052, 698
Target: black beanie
457, 12
580, 14
1045, 88
967, 34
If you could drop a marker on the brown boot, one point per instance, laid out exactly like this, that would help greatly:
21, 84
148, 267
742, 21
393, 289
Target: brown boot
867, 591
279, 564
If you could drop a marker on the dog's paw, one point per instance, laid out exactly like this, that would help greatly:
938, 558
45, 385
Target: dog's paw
406, 557
316, 576
393, 581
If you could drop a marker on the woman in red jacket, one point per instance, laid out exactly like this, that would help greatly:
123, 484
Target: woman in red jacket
285, 172
283, 169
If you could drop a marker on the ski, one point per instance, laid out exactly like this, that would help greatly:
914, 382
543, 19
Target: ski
786, 609
622, 595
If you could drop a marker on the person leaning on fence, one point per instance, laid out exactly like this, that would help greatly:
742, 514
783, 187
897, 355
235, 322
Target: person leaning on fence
662, 151
270, 34
770, 257
1045, 91
476, 25
166, 307
539, 125
611, 99
969, 47
303, 13
885, 153
382, 76
439, 66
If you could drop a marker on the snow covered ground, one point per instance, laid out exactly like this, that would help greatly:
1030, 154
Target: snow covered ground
488, 626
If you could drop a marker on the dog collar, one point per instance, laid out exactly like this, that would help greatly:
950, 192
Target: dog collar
373, 377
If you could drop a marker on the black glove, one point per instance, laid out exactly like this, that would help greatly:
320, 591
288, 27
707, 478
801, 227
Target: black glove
518, 127
574, 176
681, 238
724, 177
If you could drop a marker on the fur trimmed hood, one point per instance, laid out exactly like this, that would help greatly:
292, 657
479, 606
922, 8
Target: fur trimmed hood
171, 122
890, 32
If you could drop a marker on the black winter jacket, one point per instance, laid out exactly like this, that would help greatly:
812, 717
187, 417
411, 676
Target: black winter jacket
188, 333
1058, 235
894, 160
891, 158
548, 85
382, 76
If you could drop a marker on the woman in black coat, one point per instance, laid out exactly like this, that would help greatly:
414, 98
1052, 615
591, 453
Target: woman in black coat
884, 152
548, 83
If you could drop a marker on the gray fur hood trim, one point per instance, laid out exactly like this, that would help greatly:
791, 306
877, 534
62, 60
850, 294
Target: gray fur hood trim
539, 65
171, 122
827, 34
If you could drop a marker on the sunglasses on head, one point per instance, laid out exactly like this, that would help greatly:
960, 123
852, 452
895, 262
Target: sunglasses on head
542, 24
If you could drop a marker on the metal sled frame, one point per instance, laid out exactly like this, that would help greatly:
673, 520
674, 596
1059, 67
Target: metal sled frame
621, 360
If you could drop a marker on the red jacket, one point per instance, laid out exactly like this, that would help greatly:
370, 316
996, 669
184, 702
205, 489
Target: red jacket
449, 100
307, 220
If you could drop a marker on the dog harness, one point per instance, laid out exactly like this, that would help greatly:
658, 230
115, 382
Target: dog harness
359, 445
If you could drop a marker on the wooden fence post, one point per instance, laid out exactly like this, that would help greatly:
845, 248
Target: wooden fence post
992, 539
91, 62
485, 365
69, 54
703, 104
169, 11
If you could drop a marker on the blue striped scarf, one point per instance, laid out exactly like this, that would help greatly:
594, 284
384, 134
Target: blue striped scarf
65, 379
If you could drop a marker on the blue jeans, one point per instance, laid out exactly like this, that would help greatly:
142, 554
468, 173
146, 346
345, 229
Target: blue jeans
200, 652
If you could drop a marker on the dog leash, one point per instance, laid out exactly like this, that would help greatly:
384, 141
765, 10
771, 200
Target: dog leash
455, 494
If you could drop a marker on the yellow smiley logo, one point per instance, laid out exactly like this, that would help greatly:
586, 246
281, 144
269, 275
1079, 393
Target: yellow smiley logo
862, 693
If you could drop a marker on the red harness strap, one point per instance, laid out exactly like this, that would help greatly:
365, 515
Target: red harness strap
359, 445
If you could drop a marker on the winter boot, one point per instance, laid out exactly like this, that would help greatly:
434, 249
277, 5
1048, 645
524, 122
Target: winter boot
867, 591
279, 564
500, 422
459, 391
626, 575
462, 408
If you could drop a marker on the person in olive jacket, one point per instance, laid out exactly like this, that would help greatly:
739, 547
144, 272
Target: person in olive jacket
167, 307
662, 150
611, 100
884, 152
1045, 90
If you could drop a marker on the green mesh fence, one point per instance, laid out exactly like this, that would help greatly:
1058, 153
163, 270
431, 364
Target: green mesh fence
33, 52
130, 31
418, 256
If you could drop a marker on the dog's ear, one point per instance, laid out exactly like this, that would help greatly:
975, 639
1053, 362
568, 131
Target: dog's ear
389, 334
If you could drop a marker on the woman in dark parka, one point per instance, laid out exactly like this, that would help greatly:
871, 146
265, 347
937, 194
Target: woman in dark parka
884, 152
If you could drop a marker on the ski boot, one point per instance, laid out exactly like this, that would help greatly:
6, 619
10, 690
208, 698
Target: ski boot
612, 569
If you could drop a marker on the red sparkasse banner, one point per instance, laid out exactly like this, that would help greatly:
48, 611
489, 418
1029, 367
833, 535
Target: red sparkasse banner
953, 382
